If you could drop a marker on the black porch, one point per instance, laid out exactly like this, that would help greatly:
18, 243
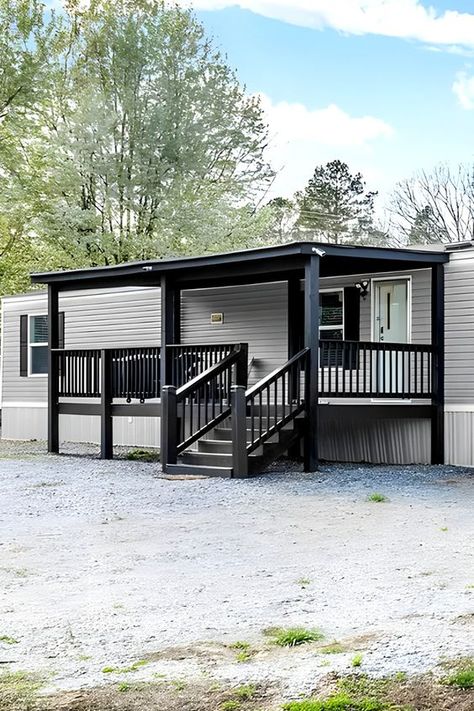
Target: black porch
200, 391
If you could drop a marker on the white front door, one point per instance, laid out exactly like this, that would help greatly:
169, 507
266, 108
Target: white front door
391, 325
391, 311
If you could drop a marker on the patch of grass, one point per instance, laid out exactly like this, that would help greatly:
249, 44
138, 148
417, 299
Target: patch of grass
243, 656
469, 587
84, 657
18, 690
245, 692
292, 636
230, 705
377, 498
179, 684
304, 582
142, 455
356, 660
334, 648
6, 639
239, 645
444, 529
336, 702
125, 670
462, 678
124, 686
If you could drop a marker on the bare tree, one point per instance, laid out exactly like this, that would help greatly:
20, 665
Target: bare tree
436, 206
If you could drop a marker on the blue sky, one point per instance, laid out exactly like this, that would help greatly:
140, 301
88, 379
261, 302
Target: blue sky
387, 85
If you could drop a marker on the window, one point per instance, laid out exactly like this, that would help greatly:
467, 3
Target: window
38, 345
331, 315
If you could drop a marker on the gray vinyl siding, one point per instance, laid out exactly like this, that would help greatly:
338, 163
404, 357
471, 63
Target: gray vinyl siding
460, 329
93, 319
254, 314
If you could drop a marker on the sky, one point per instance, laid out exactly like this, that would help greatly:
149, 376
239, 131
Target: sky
385, 85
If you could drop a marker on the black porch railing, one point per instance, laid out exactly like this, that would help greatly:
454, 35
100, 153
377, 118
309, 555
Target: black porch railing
185, 362
376, 370
192, 410
276, 400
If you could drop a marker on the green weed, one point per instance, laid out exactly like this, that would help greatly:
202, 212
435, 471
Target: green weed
125, 670
463, 678
8, 640
142, 455
292, 636
377, 498
356, 660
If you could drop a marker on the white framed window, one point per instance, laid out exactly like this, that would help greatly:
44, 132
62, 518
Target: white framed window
331, 314
38, 345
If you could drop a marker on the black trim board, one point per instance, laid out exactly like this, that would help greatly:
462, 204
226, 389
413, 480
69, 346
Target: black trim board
124, 410
335, 259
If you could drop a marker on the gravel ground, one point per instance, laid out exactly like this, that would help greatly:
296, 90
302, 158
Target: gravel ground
103, 563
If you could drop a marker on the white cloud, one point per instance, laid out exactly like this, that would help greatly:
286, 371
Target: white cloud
301, 138
408, 19
463, 88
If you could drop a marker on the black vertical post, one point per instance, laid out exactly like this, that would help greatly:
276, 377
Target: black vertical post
239, 432
106, 422
242, 368
437, 371
53, 369
170, 324
295, 317
311, 341
169, 426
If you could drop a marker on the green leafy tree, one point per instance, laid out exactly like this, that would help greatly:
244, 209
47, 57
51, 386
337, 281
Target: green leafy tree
151, 147
335, 206
136, 141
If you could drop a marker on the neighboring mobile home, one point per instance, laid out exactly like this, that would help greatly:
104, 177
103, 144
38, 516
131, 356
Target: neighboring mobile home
219, 359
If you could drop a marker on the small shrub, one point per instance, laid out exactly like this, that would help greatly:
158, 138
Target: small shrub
377, 498
142, 455
463, 678
293, 636
356, 660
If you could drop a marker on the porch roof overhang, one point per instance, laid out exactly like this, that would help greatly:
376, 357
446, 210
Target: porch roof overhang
245, 266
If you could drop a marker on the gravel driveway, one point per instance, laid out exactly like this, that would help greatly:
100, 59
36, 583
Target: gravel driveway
102, 563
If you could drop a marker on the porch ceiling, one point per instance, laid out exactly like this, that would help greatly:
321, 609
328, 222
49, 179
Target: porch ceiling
247, 266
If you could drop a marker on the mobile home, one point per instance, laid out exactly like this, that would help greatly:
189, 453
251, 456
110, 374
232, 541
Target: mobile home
226, 361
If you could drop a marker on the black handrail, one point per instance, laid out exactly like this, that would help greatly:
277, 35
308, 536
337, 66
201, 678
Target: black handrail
198, 406
276, 400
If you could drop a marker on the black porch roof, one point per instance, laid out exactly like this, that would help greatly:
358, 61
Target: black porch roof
246, 266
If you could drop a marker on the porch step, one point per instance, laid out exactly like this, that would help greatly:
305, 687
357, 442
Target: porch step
219, 446
198, 470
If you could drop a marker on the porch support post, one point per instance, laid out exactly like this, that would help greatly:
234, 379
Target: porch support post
311, 341
295, 317
53, 370
437, 371
239, 432
106, 422
170, 324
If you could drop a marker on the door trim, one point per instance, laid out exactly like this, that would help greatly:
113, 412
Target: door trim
403, 277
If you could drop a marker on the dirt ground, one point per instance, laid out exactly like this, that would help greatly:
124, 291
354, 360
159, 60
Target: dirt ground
123, 590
